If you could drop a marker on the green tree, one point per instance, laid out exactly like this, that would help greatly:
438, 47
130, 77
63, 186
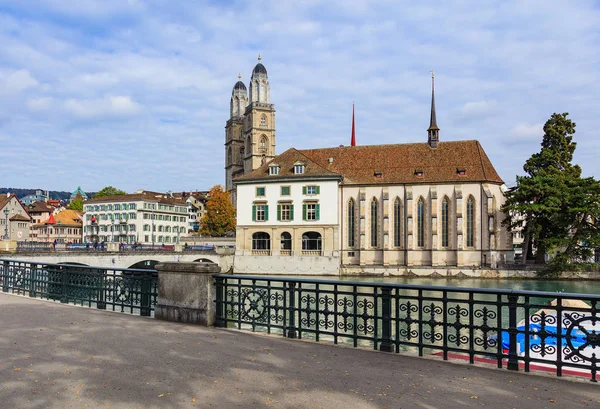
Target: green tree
110, 191
76, 204
556, 207
220, 214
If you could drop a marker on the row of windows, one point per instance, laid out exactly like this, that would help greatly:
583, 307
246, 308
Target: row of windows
261, 191
55, 230
112, 216
105, 228
166, 229
110, 207
311, 241
420, 233
167, 218
285, 212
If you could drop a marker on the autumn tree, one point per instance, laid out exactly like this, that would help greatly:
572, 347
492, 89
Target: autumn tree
557, 209
220, 213
76, 204
110, 191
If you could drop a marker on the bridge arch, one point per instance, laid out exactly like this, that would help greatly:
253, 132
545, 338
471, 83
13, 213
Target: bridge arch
145, 265
203, 260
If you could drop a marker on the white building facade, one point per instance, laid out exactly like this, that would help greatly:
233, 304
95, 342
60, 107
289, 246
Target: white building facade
143, 217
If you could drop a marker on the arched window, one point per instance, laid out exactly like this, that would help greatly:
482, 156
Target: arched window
311, 241
261, 241
264, 142
397, 222
263, 121
470, 220
229, 156
286, 241
421, 223
445, 221
374, 223
242, 153
351, 222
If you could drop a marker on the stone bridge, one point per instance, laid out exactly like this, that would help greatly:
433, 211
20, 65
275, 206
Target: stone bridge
125, 259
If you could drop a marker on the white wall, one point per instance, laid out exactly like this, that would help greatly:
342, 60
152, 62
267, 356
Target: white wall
327, 198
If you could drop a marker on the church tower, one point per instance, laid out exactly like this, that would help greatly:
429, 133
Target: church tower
259, 121
433, 132
234, 134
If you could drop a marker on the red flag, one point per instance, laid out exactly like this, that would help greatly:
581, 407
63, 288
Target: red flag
353, 142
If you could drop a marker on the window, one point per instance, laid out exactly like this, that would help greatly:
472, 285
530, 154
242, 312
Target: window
117, 207
421, 223
374, 223
285, 212
264, 142
249, 144
273, 170
229, 156
299, 168
286, 241
445, 221
419, 173
260, 213
261, 241
311, 241
263, 121
351, 222
285, 190
310, 211
461, 172
397, 222
470, 219
311, 190
109, 207
260, 192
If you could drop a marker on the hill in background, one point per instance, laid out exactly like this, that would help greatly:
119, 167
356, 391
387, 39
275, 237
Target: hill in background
54, 194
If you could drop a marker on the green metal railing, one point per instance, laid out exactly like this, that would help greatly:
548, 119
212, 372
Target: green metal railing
125, 290
555, 332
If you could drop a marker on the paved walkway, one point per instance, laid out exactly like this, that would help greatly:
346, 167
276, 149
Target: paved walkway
60, 356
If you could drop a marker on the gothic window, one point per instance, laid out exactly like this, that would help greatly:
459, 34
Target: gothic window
263, 121
264, 142
242, 153
374, 223
421, 223
229, 156
445, 221
249, 144
397, 222
351, 222
470, 220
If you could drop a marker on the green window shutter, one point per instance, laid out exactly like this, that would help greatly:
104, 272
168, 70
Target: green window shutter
303, 211
278, 212
266, 212
318, 209
303, 190
318, 191
292, 212
253, 213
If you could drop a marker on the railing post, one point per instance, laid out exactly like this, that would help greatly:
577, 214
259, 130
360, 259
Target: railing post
32, 280
513, 362
386, 320
220, 313
101, 303
291, 330
6, 265
64, 297
146, 307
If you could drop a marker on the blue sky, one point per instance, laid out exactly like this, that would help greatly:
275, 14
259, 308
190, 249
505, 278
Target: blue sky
135, 94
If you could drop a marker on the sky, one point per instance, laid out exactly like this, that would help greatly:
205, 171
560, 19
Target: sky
135, 94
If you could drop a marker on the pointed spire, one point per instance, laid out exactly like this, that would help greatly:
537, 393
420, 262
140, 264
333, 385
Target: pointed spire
433, 136
353, 140
51, 219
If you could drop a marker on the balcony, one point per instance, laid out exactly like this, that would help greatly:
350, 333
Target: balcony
261, 252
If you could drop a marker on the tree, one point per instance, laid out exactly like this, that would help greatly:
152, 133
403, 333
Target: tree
220, 214
558, 208
110, 191
76, 204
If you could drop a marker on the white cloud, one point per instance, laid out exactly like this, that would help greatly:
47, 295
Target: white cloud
108, 107
528, 132
16, 82
478, 108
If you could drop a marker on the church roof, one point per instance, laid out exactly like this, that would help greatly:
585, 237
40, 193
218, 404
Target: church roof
410, 163
286, 162
239, 86
259, 69
79, 192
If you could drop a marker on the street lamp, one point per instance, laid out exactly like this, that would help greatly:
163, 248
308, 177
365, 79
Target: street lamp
6, 226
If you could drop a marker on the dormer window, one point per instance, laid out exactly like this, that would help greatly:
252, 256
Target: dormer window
461, 171
378, 174
273, 170
299, 168
419, 173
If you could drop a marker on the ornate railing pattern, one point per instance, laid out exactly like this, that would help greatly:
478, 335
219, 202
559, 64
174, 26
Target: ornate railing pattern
508, 328
125, 290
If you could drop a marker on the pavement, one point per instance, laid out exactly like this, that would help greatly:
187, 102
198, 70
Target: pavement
62, 356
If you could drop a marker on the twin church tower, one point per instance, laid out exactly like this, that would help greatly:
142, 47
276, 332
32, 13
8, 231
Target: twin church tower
250, 130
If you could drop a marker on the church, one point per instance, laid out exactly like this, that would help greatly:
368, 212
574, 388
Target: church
390, 207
